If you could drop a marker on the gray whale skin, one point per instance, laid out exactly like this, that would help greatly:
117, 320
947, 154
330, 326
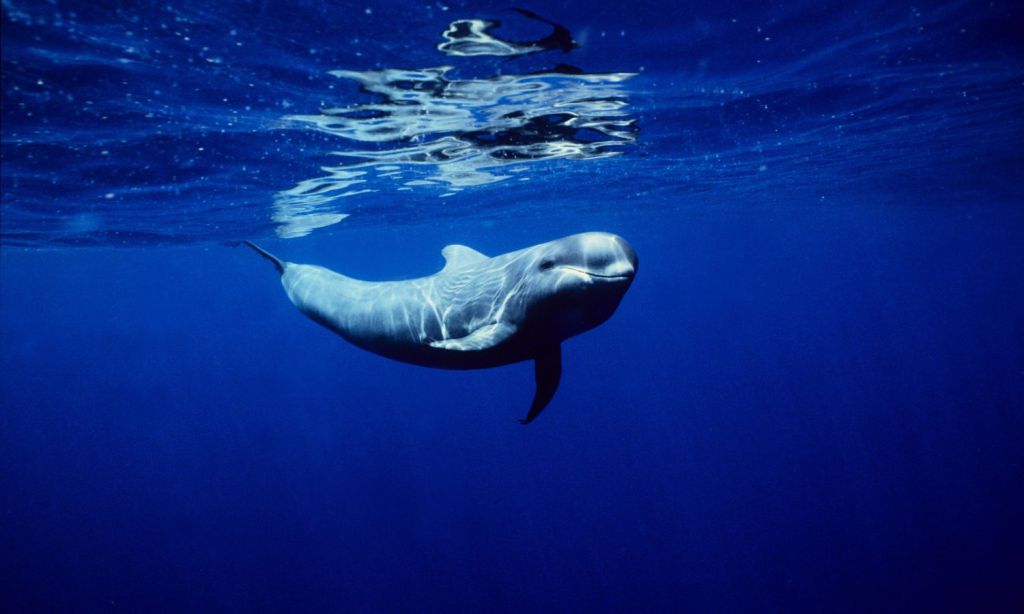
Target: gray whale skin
477, 312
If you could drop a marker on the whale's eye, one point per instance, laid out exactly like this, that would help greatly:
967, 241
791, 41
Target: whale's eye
546, 264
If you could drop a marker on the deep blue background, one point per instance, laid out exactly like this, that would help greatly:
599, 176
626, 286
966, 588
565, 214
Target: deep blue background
784, 413
811, 399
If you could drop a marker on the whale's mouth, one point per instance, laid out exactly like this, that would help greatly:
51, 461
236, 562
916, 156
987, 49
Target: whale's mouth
589, 274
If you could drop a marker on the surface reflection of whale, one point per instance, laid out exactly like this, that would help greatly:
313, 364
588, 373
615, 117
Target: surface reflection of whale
477, 312
430, 128
474, 37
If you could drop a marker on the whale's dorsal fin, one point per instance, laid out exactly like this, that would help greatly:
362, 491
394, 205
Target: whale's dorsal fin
459, 255
480, 339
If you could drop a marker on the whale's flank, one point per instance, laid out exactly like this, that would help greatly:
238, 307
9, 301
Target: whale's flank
478, 311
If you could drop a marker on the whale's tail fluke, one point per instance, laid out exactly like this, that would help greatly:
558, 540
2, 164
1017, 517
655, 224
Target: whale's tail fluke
271, 257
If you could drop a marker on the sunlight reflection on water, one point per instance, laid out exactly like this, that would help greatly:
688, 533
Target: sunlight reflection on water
429, 130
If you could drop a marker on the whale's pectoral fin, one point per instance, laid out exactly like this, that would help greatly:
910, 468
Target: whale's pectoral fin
480, 339
547, 370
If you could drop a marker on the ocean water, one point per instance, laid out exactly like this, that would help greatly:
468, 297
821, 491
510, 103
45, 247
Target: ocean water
811, 399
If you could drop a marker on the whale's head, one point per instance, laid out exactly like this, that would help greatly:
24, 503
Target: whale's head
578, 281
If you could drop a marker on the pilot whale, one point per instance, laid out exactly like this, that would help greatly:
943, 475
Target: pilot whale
478, 311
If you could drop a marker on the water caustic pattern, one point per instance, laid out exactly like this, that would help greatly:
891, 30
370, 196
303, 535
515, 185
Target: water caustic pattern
427, 129
550, 291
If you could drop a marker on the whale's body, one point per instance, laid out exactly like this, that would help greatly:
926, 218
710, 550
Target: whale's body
478, 311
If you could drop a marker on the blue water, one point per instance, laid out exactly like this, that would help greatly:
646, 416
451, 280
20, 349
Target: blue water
811, 399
